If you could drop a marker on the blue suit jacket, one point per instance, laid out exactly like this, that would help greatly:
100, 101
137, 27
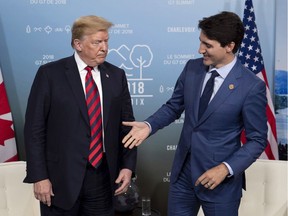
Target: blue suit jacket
239, 104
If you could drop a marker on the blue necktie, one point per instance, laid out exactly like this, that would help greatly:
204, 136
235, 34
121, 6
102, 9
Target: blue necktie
206, 95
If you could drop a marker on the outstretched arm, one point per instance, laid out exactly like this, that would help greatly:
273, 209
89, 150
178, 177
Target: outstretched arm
139, 132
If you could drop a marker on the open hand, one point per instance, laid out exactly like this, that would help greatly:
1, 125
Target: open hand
139, 132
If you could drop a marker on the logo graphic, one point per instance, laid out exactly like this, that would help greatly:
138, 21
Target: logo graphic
140, 56
134, 61
47, 29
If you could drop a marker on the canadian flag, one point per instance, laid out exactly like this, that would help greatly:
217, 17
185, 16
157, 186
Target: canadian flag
8, 150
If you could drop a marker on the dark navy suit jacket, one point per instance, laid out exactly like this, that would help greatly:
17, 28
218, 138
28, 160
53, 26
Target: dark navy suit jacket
57, 131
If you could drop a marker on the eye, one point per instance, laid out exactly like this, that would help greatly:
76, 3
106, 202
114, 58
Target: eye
96, 43
99, 42
208, 45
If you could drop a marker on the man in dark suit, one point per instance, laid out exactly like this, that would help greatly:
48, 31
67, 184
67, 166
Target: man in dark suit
209, 164
58, 132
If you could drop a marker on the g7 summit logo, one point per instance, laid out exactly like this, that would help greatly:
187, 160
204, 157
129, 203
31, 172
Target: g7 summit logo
134, 61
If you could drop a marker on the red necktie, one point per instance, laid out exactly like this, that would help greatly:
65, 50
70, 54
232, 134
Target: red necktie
94, 112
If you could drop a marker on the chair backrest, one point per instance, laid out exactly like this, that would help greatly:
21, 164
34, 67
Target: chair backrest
266, 189
266, 193
16, 197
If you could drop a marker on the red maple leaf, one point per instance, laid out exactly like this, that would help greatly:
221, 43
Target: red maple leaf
6, 131
4, 104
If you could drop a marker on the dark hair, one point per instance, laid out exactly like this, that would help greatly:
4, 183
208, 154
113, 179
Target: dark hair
225, 27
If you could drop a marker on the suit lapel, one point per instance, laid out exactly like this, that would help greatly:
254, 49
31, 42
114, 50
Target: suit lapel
74, 80
228, 86
106, 92
197, 81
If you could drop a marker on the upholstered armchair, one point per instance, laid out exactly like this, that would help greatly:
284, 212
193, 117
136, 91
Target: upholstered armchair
266, 194
16, 197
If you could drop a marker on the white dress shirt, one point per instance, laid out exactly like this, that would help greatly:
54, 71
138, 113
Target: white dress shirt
97, 78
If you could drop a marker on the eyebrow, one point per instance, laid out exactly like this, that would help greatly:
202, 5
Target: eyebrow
204, 42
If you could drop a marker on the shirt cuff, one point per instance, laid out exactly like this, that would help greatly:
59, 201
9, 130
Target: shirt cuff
231, 173
148, 126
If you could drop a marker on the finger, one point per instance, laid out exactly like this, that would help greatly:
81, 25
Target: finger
211, 186
119, 180
214, 184
43, 199
138, 142
48, 200
126, 138
120, 190
200, 180
134, 144
206, 183
117, 192
129, 143
127, 123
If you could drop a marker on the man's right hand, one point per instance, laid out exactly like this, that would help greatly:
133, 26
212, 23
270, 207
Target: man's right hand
43, 191
139, 132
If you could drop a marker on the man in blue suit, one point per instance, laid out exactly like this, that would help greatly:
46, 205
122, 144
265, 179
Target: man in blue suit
208, 169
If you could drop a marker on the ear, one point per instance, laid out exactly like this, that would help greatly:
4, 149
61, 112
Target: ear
77, 45
230, 47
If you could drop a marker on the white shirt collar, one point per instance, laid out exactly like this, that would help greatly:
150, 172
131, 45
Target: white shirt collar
224, 71
80, 63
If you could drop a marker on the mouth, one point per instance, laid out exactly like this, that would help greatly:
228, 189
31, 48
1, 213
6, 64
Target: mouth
205, 58
102, 55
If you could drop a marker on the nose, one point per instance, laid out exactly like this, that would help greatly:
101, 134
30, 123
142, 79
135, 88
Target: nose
201, 49
104, 46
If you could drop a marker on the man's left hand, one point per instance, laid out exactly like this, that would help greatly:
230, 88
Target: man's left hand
213, 177
123, 180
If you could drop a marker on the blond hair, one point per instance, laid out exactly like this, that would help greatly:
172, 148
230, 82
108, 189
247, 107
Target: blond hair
87, 25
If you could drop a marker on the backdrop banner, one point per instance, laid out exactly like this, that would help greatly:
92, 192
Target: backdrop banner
151, 40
